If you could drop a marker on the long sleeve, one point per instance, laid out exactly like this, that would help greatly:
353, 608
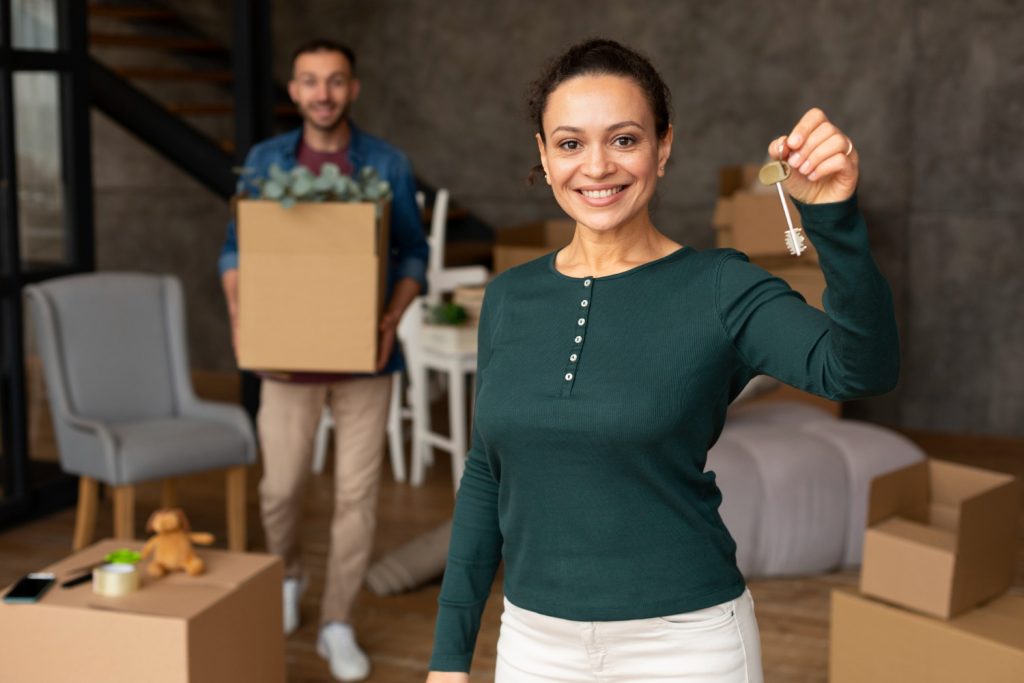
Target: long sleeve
407, 239
475, 550
228, 259
850, 351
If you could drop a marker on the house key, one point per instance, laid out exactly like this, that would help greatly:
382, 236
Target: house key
774, 173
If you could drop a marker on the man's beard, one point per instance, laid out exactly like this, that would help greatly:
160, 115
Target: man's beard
332, 125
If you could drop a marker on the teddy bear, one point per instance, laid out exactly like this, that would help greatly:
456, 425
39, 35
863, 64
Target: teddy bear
171, 547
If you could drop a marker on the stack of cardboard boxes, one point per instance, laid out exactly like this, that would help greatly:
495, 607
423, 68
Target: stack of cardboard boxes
939, 555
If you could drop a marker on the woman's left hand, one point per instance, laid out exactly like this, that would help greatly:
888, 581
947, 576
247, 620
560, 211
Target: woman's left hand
816, 150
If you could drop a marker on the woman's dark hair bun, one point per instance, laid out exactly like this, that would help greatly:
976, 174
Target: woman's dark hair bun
602, 56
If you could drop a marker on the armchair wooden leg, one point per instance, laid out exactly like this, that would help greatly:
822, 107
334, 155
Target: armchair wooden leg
236, 508
169, 493
85, 516
124, 511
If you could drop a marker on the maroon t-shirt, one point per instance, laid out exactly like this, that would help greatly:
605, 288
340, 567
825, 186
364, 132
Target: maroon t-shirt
314, 160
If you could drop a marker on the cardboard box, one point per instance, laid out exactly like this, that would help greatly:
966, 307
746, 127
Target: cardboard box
748, 216
872, 642
311, 285
941, 537
221, 626
471, 299
803, 276
518, 245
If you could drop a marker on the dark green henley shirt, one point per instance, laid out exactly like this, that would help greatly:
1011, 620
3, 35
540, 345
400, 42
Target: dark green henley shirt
597, 401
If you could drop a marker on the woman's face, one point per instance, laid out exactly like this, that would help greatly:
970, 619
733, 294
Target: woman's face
602, 155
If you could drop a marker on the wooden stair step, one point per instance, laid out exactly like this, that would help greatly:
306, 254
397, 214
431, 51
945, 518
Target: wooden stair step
216, 108
157, 74
183, 44
200, 108
131, 12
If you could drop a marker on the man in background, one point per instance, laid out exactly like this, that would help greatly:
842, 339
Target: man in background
324, 87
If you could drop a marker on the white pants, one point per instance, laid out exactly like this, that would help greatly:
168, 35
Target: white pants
718, 644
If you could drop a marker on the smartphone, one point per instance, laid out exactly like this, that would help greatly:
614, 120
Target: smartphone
30, 587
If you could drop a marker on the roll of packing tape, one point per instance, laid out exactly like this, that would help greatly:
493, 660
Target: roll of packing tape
113, 580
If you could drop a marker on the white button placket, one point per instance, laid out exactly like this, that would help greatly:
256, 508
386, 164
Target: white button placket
586, 296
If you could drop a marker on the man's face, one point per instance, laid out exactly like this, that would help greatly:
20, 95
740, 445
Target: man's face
323, 88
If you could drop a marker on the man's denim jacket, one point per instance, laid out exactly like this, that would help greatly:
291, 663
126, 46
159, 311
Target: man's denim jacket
409, 248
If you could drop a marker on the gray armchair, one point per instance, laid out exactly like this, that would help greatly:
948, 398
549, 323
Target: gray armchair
117, 375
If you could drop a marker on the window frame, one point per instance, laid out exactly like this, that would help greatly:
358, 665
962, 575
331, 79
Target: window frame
21, 494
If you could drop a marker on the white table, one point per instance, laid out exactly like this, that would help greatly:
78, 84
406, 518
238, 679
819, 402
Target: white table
450, 350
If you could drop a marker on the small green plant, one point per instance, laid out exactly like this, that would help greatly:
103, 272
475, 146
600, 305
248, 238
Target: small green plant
123, 556
447, 314
301, 185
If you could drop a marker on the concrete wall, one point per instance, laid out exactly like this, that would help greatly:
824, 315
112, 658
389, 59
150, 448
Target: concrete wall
152, 217
932, 94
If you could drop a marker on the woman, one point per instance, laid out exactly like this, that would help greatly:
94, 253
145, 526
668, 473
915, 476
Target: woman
605, 371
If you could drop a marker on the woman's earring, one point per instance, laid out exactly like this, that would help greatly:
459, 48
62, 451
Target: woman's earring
661, 171
547, 179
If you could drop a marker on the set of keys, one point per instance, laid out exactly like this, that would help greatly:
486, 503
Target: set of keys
774, 173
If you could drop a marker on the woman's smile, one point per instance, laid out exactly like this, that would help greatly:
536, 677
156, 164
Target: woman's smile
601, 195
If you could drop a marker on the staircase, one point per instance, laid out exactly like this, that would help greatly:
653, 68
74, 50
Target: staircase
174, 88
171, 86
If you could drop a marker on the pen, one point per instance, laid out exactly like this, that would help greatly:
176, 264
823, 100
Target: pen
71, 583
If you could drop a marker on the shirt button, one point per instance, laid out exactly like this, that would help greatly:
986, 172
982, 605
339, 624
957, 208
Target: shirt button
581, 322
573, 358
586, 283
568, 377
584, 303
578, 339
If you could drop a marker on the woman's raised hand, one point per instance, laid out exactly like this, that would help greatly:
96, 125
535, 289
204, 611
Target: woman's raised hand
824, 160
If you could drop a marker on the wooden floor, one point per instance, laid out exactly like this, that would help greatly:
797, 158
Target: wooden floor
792, 613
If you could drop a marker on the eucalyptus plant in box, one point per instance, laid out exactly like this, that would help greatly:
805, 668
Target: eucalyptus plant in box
301, 185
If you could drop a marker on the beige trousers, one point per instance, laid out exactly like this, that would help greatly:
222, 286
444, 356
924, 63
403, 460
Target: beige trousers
288, 417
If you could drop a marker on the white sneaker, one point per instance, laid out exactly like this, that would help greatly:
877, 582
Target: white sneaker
292, 592
337, 644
